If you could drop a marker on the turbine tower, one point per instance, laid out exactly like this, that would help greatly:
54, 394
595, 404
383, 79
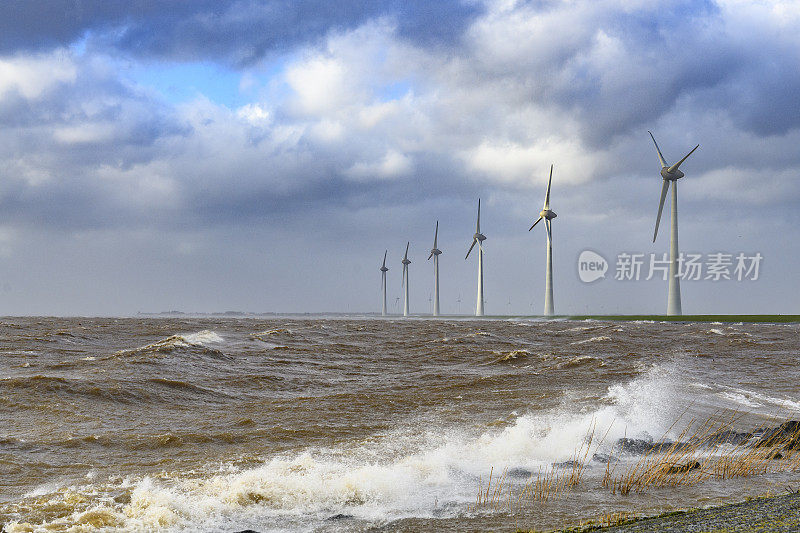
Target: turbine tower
671, 174
547, 215
383, 282
478, 238
435, 253
405, 262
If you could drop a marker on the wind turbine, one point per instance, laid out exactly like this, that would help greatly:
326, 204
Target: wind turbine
435, 253
405, 262
671, 174
478, 238
383, 282
547, 215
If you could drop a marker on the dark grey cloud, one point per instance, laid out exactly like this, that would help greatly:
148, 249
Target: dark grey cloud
108, 177
234, 31
621, 68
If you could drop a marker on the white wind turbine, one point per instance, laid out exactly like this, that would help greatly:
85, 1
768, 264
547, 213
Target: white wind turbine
435, 253
671, 174
547, 215
478, 238
405, 262
384, 269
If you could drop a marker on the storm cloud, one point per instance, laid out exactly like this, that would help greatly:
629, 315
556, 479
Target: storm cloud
363, 122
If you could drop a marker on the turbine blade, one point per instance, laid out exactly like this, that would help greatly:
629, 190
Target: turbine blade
537, 221
406, 256
660, 157
674, 167
429, 257
547, 196
478, 225
436, 235
664, 189
403, 283
471, 247
548, 224
384, 257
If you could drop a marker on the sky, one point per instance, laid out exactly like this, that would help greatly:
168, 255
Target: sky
261, 155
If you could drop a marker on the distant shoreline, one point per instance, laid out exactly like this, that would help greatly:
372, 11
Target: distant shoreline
782, 319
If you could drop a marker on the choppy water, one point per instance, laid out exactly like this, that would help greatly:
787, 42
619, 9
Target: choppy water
347, 424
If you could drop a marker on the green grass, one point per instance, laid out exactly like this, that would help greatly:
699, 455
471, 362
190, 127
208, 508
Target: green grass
774, 319
695, 318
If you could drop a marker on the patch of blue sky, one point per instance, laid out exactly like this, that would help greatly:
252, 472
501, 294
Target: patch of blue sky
180, 82
395, 91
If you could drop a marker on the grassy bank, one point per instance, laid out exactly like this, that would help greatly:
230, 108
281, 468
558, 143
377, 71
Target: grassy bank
694, 318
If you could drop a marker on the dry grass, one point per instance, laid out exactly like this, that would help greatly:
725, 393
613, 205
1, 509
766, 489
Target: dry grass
491, 498
703, 450
610, 519
548, 483
688, 460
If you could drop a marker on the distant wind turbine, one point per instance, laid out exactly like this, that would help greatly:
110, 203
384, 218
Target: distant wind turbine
435, 253
547, 215
671, 174
478, 238
384, 269
405, 262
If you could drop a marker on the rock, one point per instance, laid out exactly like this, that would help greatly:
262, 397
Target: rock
730, 437
788, 432
641, 446
520, 472
602, 458
339, 516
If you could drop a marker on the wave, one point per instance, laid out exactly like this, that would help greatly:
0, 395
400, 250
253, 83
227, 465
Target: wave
740, 399
111, 391
271, 333
754, 399
198, 342
729, 332
409, 473
581, 360
601, 338
509, 356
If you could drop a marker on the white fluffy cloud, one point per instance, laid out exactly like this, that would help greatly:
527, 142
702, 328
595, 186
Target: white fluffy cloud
365, 117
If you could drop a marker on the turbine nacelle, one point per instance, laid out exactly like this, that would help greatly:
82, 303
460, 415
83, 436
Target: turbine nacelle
406, 261
384, 269
671, 176
435, 251
479, 237
547, 214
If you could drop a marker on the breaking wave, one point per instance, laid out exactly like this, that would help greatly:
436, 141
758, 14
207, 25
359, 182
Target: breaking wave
601, 338
198, 342
403, 475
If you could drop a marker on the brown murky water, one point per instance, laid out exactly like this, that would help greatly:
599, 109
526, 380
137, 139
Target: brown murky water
351, 423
